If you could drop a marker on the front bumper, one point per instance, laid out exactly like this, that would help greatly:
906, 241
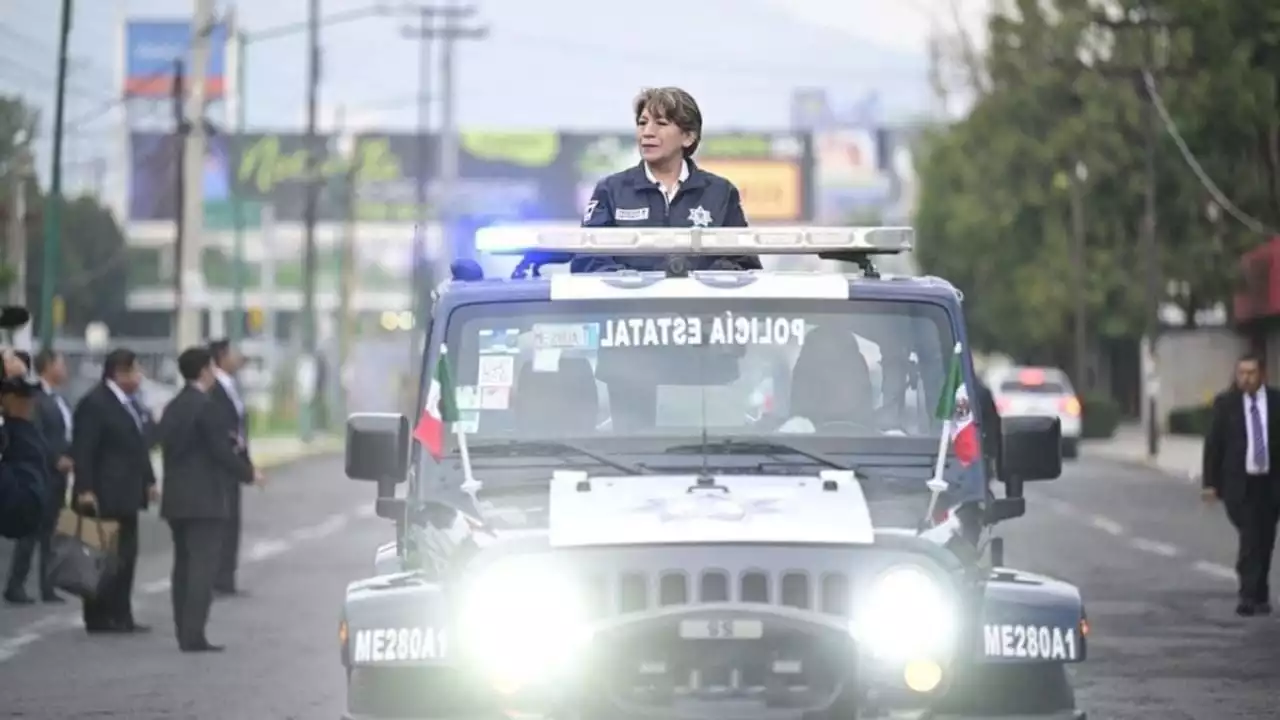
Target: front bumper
724, 661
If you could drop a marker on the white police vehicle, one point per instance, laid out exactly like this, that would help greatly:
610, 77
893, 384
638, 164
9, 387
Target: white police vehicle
695, 493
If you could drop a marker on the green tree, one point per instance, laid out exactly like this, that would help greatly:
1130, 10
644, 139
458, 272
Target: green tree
994, 214
92, 267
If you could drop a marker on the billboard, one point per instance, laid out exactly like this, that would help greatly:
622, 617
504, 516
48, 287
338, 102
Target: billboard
152, 46
502, 175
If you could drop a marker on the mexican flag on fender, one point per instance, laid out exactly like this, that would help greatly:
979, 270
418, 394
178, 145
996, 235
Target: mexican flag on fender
440, 409
954, 409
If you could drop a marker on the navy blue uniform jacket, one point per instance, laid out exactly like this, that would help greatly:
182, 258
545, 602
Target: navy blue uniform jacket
631, 199
23, 497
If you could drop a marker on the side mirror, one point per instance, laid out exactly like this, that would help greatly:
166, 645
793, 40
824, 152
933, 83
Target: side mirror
378, 448
1030, 449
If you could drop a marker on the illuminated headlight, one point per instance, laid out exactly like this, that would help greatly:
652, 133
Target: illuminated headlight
522, 622
906, 615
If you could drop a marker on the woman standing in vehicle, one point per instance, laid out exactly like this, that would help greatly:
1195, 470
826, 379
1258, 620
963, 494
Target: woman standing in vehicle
666, 189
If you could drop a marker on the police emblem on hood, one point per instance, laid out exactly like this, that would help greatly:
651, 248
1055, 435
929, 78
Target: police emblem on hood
705, 506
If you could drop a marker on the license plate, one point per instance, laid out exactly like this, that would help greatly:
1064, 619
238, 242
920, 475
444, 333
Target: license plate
725, 629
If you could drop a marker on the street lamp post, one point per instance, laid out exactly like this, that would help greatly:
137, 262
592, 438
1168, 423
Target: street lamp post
1078, 233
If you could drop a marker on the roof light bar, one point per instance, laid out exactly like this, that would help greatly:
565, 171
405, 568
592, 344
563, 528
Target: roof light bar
696, 241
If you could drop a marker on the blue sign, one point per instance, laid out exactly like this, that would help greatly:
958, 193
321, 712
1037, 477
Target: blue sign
152, 47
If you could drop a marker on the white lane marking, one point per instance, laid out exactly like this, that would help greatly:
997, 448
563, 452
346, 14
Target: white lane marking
10, 647
330, 526
1155, 547
1107, 525
265, 549
1215, 569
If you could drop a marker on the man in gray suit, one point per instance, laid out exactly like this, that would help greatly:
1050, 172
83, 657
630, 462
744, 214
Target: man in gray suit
201, 469
53, 420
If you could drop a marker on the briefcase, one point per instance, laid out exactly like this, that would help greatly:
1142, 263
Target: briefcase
84, 559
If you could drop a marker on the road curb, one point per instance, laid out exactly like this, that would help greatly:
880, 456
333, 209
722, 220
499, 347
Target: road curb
1189, 477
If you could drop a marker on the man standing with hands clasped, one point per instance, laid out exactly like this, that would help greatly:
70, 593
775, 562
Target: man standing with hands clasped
111, 448
202, 469
226, 397
1240, 469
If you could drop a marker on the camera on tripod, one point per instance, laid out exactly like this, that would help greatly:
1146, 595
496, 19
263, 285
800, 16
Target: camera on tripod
13, 317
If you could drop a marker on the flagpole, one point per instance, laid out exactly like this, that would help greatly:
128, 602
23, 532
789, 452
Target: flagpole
936, 484
468, 477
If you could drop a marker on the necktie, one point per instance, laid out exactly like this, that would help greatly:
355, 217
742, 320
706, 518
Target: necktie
1259, 435
137, 412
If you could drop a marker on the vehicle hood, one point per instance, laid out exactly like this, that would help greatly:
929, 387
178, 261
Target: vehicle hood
674, 509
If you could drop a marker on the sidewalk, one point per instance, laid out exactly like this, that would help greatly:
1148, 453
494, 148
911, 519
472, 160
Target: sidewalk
1179, 454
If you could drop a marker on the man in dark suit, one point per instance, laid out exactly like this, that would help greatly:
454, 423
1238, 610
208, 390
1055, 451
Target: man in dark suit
230, 403
201, 469
1240, 468
111, 448
53, 420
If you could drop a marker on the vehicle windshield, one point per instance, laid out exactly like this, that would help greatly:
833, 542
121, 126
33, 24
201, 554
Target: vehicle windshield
679, 368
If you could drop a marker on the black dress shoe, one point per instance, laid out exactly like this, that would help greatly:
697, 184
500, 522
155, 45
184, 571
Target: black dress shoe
201, 647
1263, 608
136, 628
52, 597
18, 597
1246, 609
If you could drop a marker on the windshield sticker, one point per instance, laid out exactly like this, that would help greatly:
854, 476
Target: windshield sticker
577, 336
546, 360
499, 342
467, 397
718, 330
497, 370
468, 423
495, 398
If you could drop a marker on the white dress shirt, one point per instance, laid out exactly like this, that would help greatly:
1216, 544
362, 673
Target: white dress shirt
669, 192
126, 401
228, 383
1250, 466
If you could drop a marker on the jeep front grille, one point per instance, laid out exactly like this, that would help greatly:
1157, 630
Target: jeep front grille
628, 591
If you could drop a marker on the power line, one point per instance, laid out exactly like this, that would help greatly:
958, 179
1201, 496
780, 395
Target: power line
1189, 158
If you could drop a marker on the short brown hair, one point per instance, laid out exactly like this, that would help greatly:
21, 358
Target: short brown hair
675, 105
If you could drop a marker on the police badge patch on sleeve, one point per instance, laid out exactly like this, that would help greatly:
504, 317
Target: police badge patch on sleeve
591, 210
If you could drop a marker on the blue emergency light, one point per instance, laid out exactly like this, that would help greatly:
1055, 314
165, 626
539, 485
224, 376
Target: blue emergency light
517, 240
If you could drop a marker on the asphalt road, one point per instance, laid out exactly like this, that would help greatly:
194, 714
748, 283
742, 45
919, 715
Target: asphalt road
1154, 565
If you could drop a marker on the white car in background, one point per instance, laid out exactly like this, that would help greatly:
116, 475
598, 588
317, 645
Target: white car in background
1021, 391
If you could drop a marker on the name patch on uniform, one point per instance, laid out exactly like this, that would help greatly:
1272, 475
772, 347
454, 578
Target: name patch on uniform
625, 214
1031, 642
398, 644
718, 330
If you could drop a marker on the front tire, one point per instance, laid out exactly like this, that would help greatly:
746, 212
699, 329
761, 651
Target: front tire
1070, 448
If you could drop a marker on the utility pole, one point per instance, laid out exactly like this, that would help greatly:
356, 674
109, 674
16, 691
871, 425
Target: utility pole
308, 364
237, 202
53, 207
188, 330
1079, 175
16, 252
181, 129
1145, 21
348, 274
449, 34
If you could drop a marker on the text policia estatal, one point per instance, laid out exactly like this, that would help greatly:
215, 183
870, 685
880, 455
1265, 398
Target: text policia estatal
724, 329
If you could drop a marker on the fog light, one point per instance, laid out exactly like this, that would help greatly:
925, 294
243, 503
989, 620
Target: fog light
922, 676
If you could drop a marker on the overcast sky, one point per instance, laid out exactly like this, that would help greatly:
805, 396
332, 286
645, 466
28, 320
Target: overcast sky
546, 63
